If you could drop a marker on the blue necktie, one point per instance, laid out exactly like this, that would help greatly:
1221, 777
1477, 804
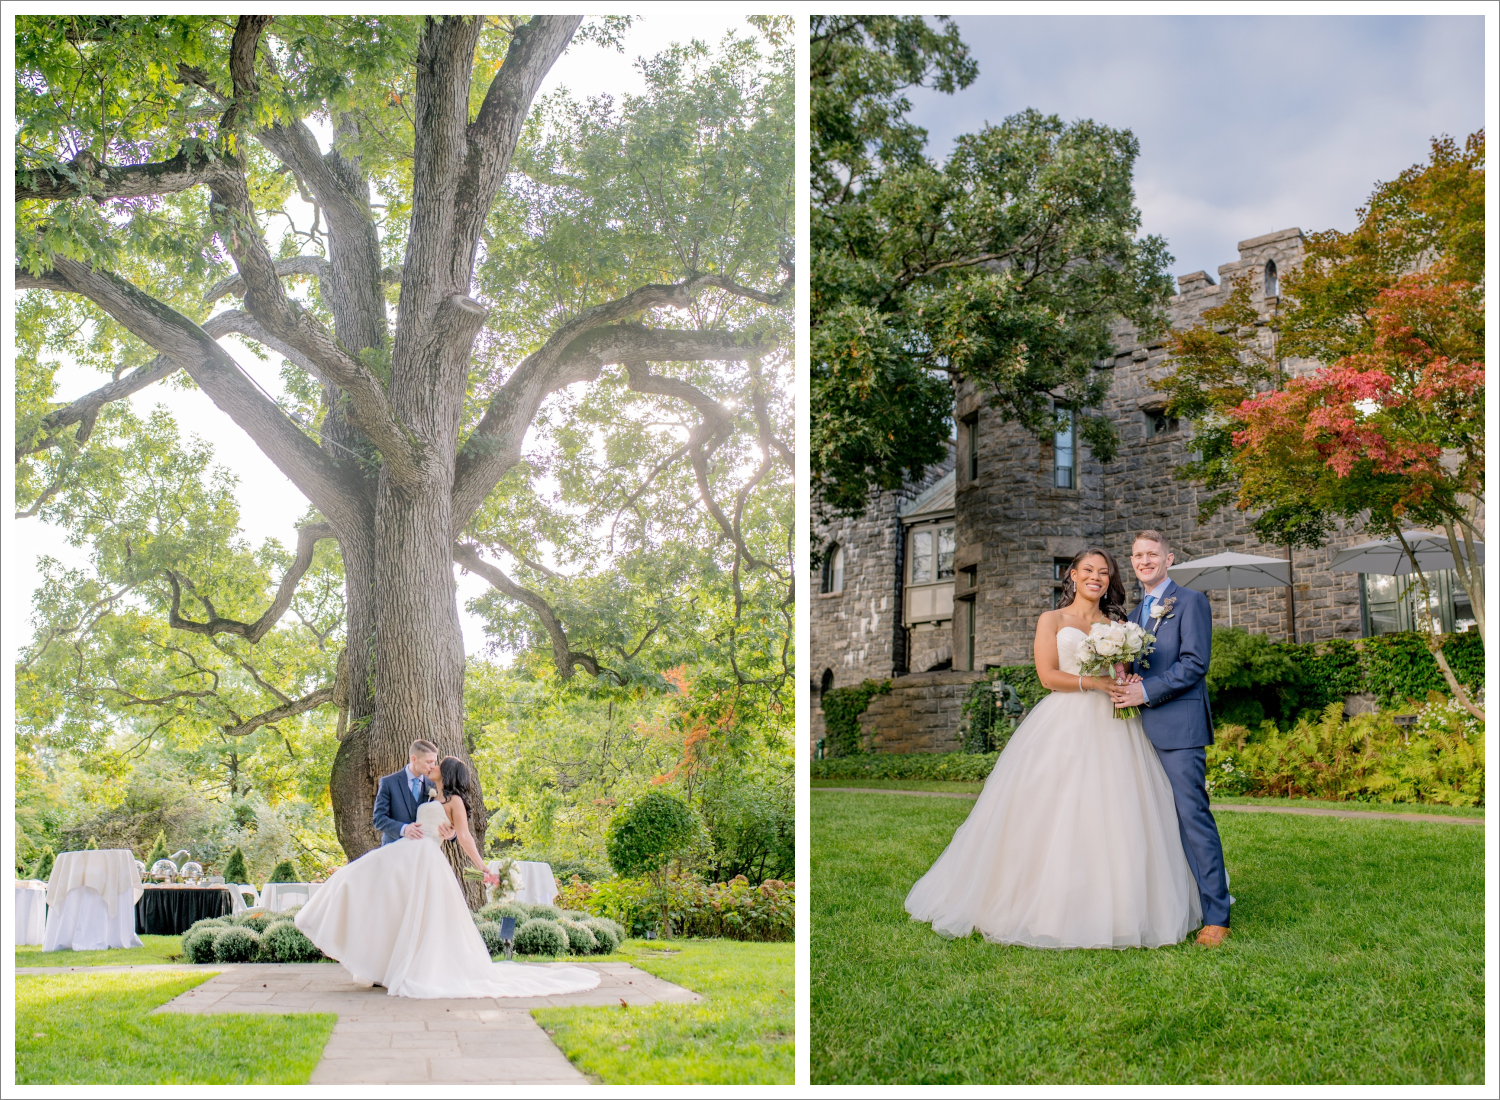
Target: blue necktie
1150, 603
416, 790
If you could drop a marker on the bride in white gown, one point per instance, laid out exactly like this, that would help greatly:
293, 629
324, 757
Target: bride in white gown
1074, 840
396, 916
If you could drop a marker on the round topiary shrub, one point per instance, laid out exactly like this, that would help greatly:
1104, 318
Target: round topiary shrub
543, 912
650, 831
198, 942
288, 914
605, 936
258, 920
285, 871
581, 940
284, 942
236, 945
541, 937
499, 910
491, 933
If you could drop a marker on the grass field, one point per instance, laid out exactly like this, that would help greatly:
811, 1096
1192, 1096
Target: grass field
741, 1034
1357, 957
154, 950
98, 1029
949, 787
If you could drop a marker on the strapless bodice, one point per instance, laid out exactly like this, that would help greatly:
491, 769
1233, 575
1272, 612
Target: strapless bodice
430, 815
1070, 650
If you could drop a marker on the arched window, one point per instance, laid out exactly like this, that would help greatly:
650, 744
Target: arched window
825, 685
1272, 286
833, 568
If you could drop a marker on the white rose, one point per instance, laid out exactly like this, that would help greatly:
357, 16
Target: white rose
1106, 646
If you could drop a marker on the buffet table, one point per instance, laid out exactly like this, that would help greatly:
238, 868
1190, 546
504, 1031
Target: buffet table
170, 910
91, 900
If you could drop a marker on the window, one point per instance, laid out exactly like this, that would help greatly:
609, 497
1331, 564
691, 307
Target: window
1159, 423
970, 607
1393, 603
932, 554
1065, 451
825, 685
1272, 284
971, 444
1059, 578
833, 568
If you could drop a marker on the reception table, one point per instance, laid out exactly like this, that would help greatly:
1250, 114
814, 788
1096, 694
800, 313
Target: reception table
170, 910
538, 887
91, 900
31, 911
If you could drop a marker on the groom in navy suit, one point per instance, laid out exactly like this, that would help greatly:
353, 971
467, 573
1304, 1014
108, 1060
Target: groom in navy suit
1173, 697
400, 793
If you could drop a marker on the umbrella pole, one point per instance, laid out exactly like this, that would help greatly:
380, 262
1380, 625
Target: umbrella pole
1231, 607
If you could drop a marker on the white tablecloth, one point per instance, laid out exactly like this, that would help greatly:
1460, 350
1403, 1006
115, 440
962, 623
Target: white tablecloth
538, 887
84, 922
31, 912
276, 896
111, 874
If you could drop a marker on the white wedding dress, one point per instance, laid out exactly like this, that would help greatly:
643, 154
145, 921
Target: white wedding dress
1074, 839
396, 917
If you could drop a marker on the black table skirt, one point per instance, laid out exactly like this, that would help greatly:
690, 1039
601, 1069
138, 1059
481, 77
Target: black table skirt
173, 912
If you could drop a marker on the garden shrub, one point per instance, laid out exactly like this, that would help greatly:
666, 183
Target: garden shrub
490, 932
587, 870
284, 942
731, 910
256, 919
158, 850
841, 710
235, 870
542, 912
286, 871
198, 942
236, 944
1399, 667
541, 937
499, 910
581, 939
1367, 758
990, 721
959, 767
42, 868
1251, 678
607, 936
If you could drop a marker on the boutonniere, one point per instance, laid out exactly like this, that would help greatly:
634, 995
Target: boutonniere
1164, 608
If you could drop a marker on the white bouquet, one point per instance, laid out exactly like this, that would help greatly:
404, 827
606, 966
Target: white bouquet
1110, 647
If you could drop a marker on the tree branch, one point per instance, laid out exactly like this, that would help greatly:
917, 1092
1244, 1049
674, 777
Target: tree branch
194, 164
307, 540
467, 556
276, 714
338, 497
315, 266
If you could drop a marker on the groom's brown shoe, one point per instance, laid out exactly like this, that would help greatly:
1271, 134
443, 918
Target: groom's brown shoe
1213, 935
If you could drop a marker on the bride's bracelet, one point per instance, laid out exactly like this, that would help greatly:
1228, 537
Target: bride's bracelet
1080, 683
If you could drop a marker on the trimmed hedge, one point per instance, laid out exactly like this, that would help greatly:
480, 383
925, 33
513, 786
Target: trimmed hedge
236, 944
581, 938
541, 937
489, 931
284, 942
962, 767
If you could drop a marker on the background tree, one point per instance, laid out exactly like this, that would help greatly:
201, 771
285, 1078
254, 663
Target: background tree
526, 253
1388, 427
1007, 266
647, 835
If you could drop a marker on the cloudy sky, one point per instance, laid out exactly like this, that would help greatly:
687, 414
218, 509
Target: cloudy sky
1246, 124
269, 504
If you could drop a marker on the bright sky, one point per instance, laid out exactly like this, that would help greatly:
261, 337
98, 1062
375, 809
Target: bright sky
269, 504
1247, 124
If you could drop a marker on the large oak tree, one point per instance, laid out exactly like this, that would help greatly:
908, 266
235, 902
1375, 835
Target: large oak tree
470, 260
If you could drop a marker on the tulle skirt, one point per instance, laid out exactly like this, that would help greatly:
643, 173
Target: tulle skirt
396, 917
1073, 842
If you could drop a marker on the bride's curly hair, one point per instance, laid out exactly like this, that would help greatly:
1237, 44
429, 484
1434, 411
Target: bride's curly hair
1112, 603
459, 780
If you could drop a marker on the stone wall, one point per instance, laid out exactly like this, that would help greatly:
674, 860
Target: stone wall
1012, 522
921, 713
856, 634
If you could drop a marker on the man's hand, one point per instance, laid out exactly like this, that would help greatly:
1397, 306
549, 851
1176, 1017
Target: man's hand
412, 831
1128, 695
447, 832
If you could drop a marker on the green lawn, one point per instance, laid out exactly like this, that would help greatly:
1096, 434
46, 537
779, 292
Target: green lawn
154, 950
741, 1034
1357, 957
98, 1029
950, 787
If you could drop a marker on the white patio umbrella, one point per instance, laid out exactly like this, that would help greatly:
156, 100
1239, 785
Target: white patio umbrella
1387, 557
1230, 571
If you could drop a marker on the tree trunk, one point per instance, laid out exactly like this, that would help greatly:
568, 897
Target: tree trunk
353, 780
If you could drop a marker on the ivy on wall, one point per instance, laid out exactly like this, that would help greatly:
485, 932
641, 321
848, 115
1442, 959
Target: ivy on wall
841, 710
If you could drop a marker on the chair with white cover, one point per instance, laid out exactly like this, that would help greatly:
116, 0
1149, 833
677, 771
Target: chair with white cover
280, 896
91, 901
31, 911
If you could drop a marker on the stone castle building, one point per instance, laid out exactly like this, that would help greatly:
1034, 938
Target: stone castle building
946, 578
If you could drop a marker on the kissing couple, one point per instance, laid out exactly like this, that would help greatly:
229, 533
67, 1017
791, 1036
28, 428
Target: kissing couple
1095, 831
396, 916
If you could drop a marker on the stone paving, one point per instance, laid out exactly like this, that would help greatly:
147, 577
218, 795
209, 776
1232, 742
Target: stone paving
381, 1039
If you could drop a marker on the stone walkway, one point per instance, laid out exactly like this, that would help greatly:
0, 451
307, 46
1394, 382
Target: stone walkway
381, 1039
1312, 811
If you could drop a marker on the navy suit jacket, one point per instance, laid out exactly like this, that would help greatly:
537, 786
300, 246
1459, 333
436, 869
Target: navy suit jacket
394, 805
1176, 714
